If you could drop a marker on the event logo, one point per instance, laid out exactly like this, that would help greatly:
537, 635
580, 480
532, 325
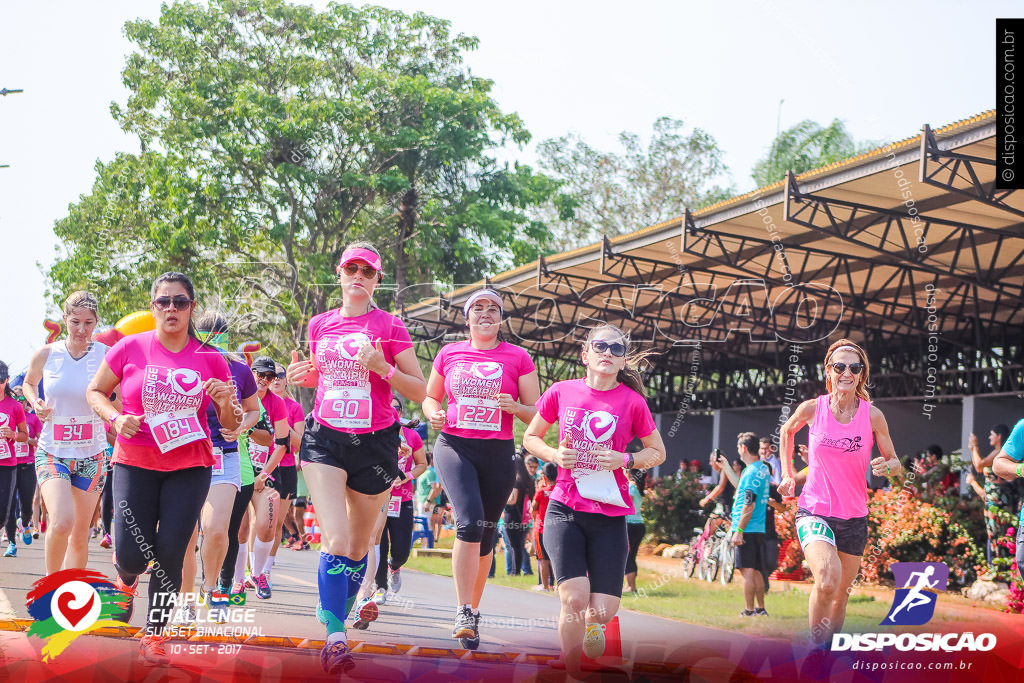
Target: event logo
349, 345
3, 419
599, 426
71, 603
185, 382
487, 370
917, 588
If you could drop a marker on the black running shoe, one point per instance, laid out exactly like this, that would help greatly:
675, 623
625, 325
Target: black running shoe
465, 624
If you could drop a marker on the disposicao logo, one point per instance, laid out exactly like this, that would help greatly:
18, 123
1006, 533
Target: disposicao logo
917, 587
71, 603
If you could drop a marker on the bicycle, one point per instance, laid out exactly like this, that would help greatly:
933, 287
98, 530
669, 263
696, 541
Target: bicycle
727, 560
698, 547
712, 560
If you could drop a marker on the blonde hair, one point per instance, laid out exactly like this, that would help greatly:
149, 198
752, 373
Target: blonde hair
862, 379
81, 299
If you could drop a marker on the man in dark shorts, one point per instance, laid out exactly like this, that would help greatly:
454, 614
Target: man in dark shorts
749, 517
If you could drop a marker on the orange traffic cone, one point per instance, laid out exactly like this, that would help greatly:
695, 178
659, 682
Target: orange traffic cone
602, 644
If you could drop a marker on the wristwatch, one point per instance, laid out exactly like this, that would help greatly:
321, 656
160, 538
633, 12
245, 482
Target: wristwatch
629, 461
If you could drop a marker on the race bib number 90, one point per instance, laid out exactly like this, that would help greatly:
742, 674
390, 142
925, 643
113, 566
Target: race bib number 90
174, 429
347, 408
71, 432
481, 414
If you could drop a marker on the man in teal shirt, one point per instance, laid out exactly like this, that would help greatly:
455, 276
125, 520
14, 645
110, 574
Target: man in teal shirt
749, 510
1009, 464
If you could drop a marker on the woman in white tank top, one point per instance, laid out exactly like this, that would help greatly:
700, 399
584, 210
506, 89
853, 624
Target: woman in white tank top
71, 454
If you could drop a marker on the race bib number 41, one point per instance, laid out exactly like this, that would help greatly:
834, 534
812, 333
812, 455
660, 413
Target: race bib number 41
481, 414
174, 429
346, 408
71, 432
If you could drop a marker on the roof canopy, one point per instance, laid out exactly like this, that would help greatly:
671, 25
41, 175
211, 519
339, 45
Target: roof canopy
909, 250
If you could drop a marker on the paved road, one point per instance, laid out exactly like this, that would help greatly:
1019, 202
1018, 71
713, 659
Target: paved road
515, 620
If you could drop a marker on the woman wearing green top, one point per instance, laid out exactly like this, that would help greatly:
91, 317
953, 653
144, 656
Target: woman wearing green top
635, 528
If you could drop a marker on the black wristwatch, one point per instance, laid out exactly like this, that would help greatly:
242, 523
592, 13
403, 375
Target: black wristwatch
629, 461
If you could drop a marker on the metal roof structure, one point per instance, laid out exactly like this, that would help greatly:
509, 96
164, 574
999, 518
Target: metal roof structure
909, 250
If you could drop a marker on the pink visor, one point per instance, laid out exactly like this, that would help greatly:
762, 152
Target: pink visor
360, 254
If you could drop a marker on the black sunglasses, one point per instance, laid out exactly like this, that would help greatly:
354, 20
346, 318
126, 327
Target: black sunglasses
353, 268
855, 368
616, 348
269, 376
178, 303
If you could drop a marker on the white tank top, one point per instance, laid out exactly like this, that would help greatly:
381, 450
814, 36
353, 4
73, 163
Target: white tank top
73, 430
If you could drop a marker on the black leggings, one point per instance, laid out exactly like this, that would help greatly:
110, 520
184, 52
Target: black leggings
635, 533
478, 475
144, 498
242, 498
396, 537
8, 480
25, 486
107, 501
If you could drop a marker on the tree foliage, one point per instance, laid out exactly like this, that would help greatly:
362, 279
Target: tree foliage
804, 147
609, 193
271, 135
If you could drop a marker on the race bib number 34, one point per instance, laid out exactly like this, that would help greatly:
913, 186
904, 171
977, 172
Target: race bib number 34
481, 414
347, 408
69, 432
174, 429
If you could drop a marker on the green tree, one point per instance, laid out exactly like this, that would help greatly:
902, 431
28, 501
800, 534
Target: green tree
271, 135
614, 194
806, 146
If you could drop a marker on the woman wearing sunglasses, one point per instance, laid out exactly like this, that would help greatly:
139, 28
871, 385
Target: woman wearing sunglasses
71, 456
831, 519
349, 449
13, 431
487, 383
163, 458
585, 523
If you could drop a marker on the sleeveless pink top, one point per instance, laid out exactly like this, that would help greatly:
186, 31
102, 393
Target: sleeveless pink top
839, 455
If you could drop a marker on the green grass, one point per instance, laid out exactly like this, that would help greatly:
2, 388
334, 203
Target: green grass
670, 595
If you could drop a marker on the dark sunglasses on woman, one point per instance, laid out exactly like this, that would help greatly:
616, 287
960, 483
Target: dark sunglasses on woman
855, 368
178, 303
616, 348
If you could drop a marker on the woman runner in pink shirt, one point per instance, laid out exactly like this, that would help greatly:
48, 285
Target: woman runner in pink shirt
831, 520
163, 458
350, 445
487, 383
585, 522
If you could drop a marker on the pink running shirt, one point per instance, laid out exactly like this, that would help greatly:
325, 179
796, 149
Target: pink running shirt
404, 492
12, 414
167, 389
295, 414
27, 454
350, 398
839, 457
472, 378
608, 419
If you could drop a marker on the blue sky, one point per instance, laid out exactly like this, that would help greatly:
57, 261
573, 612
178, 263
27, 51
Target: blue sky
594, 68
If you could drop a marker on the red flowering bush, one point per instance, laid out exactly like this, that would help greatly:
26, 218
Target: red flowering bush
785, 527
903, 528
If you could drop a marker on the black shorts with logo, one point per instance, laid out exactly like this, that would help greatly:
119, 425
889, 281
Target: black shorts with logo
371, 458
850, 536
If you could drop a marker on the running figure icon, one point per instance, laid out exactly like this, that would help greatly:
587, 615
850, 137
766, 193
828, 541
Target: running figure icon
915, 597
